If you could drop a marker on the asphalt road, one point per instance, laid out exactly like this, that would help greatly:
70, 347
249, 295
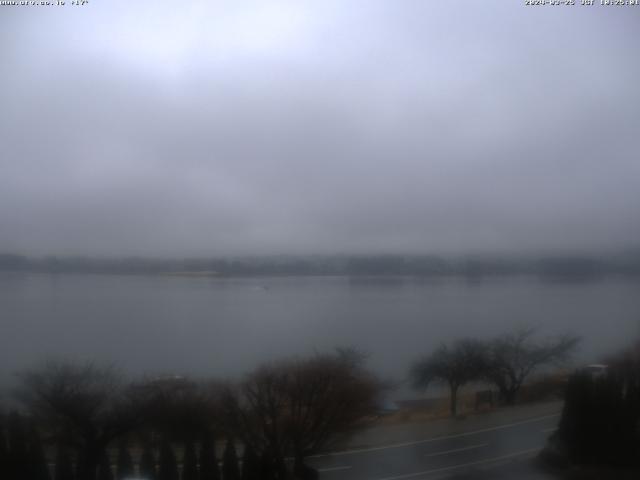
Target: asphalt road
496, 446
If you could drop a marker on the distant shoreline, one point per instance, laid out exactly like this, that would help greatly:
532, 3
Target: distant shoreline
387, 266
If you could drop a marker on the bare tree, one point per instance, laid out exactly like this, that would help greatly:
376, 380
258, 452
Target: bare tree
513, 357
87, 405
256, 412
301, 406
455, 365
180, 408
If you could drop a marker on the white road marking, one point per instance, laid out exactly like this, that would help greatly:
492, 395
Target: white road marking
435, 439
470, 447
461, 465
334, 469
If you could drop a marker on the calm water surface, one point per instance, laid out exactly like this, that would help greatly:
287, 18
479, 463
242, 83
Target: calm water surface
224, 327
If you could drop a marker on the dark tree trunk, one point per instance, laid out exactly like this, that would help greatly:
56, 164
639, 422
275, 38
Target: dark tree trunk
168, 468
302, 471
125, 463
208, 459
37, 460
4, 455
454, 400
189, 462
88, 462
147, 465
509, 396
18, 454
250, 464
272, 466
63, 469
230, 469
104, 467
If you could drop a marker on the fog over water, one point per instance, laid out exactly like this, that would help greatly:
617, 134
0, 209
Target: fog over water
212, 128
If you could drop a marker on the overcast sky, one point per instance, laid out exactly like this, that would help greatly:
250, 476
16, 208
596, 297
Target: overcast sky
207, 128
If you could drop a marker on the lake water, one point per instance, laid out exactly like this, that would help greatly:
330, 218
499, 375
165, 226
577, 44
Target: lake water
224, 327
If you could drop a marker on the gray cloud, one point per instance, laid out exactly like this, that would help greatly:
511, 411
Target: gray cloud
164, 129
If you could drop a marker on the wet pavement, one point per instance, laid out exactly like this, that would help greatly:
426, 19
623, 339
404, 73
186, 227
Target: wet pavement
501, 444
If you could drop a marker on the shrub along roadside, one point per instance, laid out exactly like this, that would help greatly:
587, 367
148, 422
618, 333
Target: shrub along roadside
600, 423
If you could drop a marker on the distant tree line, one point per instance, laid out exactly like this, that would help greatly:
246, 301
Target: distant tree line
355, 265
505, 362
90, 424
